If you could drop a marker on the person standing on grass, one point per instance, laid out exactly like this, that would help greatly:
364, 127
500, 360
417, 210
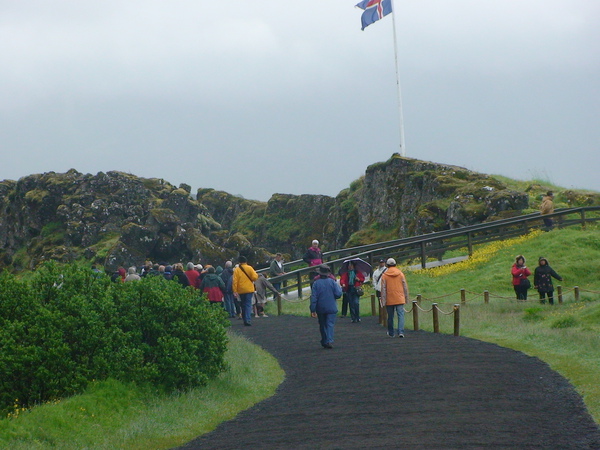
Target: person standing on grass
323, 305
520, 282
542, 280
244, 277
547, 207
394, 293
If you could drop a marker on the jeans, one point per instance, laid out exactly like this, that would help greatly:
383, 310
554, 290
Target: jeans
399, 309
354, 302
246, 301
344, 304
326, 323
229, 304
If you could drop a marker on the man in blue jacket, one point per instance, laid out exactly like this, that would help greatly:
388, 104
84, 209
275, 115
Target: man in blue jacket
325, 291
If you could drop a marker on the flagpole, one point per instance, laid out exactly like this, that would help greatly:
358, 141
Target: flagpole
401, 116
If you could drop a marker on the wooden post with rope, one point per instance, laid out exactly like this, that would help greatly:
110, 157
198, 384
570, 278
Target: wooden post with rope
457, 320
279, 308
463, 296
559, 293
436, 318
576, 292
486, 297
373, 309
415, 313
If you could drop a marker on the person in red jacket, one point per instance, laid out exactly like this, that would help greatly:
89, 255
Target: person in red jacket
520, 272
351, 280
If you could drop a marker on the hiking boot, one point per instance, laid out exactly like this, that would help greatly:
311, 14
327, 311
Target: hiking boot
390, 335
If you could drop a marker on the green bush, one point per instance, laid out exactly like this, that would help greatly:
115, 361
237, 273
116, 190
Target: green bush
67, 326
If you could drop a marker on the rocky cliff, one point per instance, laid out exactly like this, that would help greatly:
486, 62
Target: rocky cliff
114, 218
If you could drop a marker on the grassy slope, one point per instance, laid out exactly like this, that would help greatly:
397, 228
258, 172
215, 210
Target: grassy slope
113, 415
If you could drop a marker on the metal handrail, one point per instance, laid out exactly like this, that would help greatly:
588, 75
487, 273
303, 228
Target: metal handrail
422, 242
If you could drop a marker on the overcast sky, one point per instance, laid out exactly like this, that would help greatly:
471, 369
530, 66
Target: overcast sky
268, 96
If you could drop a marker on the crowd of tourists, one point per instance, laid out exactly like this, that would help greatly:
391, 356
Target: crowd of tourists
240, 290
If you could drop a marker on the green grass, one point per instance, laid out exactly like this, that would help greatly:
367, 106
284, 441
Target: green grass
111, 414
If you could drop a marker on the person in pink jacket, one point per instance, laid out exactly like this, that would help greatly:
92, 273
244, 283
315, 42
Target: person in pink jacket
394, 293
520, 272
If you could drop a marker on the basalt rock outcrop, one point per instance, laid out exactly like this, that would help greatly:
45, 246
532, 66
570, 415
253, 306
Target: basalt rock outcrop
111, 219
117, 219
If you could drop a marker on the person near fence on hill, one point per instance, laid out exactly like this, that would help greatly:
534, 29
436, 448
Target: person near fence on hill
350, 280
276, 269
542, 280
381, 269
260, 295
547, 207
520, 282
244, 277
323, 304
394, 293
313, 257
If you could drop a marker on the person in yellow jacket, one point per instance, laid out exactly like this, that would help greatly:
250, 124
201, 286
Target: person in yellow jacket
244, 277
547, 207
394, 293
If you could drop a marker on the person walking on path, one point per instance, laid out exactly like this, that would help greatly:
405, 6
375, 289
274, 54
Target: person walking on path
323, 305
260, 296
244, 277
520, 282
313, 257
276, 269
132, 275
394, 293
547, 207
350, 280
542, 280
192, 275
231, 307
377, 277
213, 285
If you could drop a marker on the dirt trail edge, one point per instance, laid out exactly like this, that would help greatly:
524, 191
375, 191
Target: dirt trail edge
424, 391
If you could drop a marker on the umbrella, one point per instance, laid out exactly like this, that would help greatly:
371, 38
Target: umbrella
359, 264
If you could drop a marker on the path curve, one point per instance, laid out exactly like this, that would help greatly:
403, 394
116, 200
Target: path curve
425, 391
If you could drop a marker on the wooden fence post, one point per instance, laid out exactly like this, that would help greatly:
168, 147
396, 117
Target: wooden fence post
436, 318
463, 296
486, 297
576, 291
373, 310
279, 309
423, 256
384, 316
559, 293
457, 320
415, 315
299, 278
419, 297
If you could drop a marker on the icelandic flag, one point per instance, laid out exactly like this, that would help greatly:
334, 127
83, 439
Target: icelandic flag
374, 10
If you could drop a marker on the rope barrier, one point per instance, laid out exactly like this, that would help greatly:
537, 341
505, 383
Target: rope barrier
445, 313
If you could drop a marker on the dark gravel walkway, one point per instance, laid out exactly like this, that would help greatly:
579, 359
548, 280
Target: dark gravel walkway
425, 391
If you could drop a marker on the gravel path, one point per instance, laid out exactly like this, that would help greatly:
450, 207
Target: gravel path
425, 391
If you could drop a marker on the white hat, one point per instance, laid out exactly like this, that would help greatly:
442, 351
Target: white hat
391, 262
315, 242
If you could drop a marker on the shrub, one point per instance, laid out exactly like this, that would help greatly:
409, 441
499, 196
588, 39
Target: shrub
68, 326
564, 322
